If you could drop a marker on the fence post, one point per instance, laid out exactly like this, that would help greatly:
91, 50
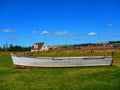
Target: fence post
112, 57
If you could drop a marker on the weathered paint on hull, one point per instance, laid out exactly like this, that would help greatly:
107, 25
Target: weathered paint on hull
26, 62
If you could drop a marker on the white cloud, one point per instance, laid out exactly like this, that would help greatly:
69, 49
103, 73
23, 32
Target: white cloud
110, 25
61, 33
92, 33
58, 33
34, 32
8, 30
44, 32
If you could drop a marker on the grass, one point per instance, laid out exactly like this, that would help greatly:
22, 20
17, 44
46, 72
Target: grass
79, 78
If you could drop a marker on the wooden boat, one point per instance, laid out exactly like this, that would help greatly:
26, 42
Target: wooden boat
30, 62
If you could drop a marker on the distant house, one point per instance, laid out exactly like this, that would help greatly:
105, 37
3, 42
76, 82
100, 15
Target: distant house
39, 47
53, 47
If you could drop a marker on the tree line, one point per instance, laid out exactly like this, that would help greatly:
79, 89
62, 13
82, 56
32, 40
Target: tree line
15, 48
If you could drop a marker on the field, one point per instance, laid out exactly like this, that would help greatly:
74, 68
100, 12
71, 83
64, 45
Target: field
79, 78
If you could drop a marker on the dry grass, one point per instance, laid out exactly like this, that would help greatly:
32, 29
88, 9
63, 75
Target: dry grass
74, 52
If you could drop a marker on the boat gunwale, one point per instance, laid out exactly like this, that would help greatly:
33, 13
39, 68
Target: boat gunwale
66, 58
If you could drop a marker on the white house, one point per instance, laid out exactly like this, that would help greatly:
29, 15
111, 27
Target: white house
39, 47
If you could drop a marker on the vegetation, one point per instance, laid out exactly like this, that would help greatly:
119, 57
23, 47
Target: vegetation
79, 78
72, 52
12, 48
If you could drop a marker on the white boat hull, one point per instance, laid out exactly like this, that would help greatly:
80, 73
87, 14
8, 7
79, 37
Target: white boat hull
27, 62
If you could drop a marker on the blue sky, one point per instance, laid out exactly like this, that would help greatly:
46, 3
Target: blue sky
59, 22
